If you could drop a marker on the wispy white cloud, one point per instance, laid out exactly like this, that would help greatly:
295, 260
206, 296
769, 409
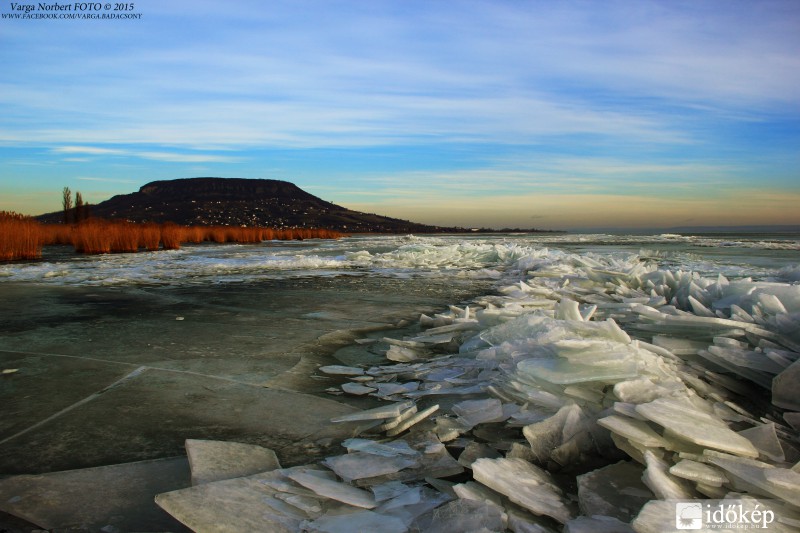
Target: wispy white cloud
185, 158
93, 150
170, 157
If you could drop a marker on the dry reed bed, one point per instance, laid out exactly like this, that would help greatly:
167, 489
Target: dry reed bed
22, 237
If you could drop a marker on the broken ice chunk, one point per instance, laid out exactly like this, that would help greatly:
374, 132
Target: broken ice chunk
639, 390
658, 479
389, 449
628, 410
695, 426
443, 374
679, 346
749, 474
419, 417
765, 439
785, 479
356, 389
524, 484
475, 491
378, 413
216, 460
394, 422
710, 491
359, 465
474, 412
785, 387
410, 496
334, 490
388, 389
699, 473
306, 504
561, 371
634, 430
581, 392
388, 490
402, 354
448, 429
547, 436
341, 370
567, 309
658, 516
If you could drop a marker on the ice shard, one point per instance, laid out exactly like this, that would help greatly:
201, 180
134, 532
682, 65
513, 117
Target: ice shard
357, 389
695, 426
359, 465
634, 430
341, 370
334, 490
699, 473
415, 419
378, 413
664, 485
785, 386
524, 484
751, 475
385, 449
765, 439
216, 460
474, 412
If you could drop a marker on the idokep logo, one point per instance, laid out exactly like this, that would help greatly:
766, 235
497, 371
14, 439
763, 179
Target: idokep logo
688, 516
724, 514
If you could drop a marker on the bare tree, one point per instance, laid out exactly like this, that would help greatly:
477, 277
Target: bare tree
67, 203
79, 214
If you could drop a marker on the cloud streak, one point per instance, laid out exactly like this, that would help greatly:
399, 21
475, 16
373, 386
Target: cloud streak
170, 157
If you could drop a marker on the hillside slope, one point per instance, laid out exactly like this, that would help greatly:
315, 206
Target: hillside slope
241, 202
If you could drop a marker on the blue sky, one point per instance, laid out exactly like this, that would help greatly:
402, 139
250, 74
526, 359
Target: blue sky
499, 113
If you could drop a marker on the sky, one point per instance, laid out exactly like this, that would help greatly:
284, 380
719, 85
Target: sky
502, 113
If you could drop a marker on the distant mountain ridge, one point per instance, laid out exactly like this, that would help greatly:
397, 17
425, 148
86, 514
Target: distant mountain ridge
242, 202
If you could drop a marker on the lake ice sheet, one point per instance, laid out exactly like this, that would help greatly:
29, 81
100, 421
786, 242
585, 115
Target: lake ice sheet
597, 350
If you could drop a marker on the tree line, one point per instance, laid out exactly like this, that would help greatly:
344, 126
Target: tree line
78, 212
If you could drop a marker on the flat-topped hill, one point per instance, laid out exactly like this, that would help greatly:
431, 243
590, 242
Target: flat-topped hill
238, 202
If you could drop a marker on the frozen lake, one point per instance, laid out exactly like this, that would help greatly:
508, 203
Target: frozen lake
120, 358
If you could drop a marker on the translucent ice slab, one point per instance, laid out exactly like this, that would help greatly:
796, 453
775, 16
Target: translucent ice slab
359, 465
562, 372
524, 484
378, 413
695, 426
335, 490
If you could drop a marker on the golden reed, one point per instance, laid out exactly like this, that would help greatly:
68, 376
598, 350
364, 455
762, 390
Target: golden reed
22, 237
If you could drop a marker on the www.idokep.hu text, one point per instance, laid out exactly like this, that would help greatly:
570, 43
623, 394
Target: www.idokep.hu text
74, 11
